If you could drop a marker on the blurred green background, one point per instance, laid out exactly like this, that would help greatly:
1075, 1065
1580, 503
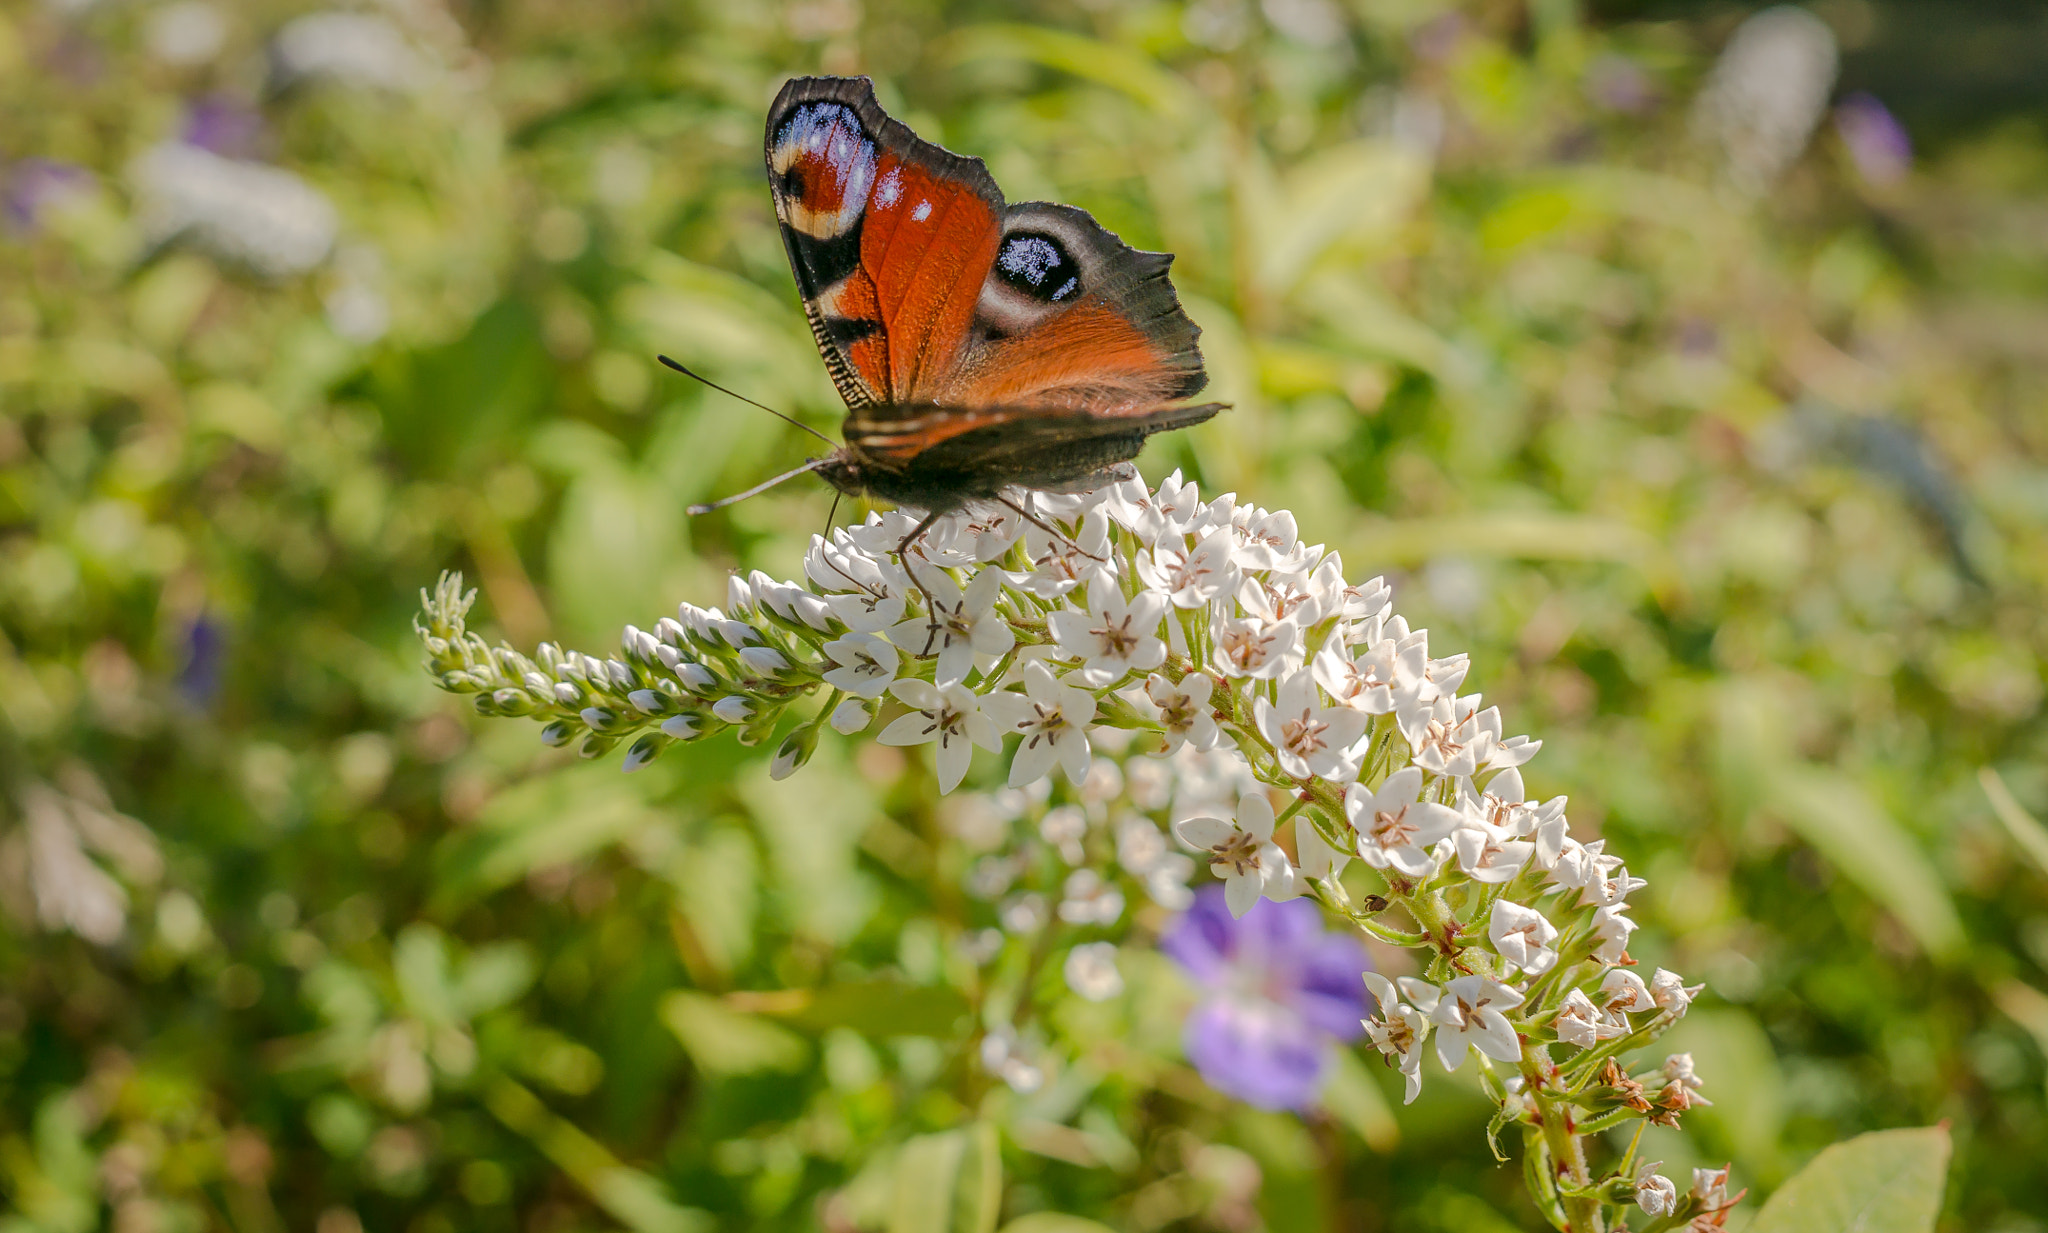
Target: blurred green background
1707, 408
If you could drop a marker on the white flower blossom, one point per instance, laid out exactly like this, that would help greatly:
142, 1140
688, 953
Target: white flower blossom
1310, 739
1611, 929
1579, 1022
1656, 1194
1522, 936
1623, 992
1672, 995
1400, 1023
867, 663
1053, 719
1396, 831
1678, 1069
1113, 636
962, 624
1184, 710
1190, 577
1261, 650
1243, 854
951, 717
1470, 1014
1091, 971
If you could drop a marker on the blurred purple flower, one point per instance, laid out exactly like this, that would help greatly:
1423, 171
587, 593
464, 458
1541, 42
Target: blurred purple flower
205, 652
1280, 991
1877, 142
224, 126
32, 186
1617, 83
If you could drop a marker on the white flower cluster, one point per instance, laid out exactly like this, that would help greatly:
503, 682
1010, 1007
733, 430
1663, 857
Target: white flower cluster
1130, 622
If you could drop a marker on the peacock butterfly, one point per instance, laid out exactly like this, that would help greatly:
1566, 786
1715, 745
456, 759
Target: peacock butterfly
978, 345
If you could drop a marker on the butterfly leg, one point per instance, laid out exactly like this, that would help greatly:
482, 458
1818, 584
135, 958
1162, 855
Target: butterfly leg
931, 605
1057, 534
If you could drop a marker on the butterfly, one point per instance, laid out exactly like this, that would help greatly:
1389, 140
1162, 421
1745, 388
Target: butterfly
978, 345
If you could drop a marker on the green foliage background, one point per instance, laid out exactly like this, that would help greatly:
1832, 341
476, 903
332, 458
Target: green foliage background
1740, 505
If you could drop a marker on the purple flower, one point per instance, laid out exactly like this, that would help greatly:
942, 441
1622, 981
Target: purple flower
1280, 991
33, 186
224, 126
1877, 142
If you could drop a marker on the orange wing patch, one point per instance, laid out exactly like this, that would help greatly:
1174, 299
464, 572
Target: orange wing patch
1088, 358
927, 242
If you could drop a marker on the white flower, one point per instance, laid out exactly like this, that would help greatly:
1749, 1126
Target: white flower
1249, 647
867, 663
1623, 992
1450, 737
988, 533
961, 626
1656, 1194
1710, 1187
733, 709
1395, 831
1190, 577
849, 717
1522, 936
1114, 635
1088, 900
1053, 718
1166, 514
1091, 971
1398, 1028
951, 716
1469, 1014
1579, 1022
1371, 681
1611, 928
1184, 710
1370, 600
1064, 828
1305, 597
1678, 1069
1486, 852
1310, 739
1058, 565
1264, 539
1318, 859
1243, 853
681, 727
1672, 995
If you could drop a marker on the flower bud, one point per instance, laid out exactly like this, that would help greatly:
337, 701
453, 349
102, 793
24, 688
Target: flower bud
812, 611
764, 660
852, 716
598, 718
643, 751
595, 746
556, 734
733, 709
648, 701
568, 693
795, 750
682, 727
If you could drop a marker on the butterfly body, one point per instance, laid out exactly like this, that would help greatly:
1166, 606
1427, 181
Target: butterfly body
977, 344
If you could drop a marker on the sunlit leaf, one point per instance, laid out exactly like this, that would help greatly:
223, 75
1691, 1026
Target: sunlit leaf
1887, 1181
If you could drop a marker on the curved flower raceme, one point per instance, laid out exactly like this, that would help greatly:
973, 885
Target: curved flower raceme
1154, 665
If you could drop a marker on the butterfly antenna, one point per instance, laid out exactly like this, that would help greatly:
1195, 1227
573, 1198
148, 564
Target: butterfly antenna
757, 489
743, 398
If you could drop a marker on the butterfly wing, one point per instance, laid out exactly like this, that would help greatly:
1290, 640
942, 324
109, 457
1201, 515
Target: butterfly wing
889, 236
927, 293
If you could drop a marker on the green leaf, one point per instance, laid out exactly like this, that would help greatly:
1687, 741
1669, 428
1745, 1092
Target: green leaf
1888, 1181
1054, 1222
1838, 817
730, 1042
